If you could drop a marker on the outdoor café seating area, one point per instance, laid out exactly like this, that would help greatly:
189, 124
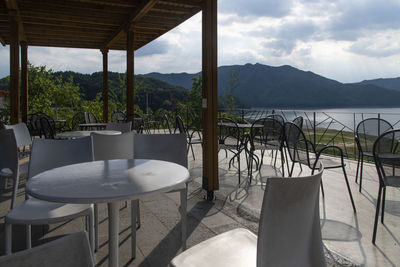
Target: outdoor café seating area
165, 218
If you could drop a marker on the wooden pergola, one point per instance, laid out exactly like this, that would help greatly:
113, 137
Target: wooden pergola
111, 25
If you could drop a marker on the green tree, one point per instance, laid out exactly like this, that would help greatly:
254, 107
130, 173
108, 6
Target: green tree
50, 95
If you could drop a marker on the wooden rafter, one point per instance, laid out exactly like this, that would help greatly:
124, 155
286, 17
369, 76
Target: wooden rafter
2, 41
14, 11
140, 11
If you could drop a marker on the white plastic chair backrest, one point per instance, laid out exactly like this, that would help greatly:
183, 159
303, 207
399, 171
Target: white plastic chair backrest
68, 251
22, 134
8, 151
168, 147
123, 127
9, 159
107, 147
289, 232
49, 153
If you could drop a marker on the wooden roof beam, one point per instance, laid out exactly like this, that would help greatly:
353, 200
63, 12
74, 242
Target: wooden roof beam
139, 12
14, 11
2, 41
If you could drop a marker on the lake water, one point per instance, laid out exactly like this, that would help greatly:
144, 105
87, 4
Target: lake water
340, 118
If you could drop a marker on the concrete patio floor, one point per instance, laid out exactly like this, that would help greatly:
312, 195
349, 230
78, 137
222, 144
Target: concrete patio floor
346, 235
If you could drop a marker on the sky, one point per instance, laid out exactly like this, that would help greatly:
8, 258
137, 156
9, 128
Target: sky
348, 41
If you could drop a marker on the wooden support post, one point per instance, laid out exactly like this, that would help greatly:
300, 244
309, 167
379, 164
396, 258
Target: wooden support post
105, 84
14, 69
210, 98
129, 75
24, 81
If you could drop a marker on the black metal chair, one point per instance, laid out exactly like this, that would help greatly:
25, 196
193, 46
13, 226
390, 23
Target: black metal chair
266, 134
137, 122
167, 123
367, 132
33, 124
303, 151
386, 153
48, 127
191, 139
277, 117
118, 116
77, 119
90, 117
298, 121
230, 138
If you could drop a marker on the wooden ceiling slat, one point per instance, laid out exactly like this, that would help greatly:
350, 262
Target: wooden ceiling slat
125, 4
136, 15
76, 25
77, 7
68, 18
96, 24
183, 3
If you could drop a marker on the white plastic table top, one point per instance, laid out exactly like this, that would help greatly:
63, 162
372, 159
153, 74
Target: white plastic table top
79, 134
106, 181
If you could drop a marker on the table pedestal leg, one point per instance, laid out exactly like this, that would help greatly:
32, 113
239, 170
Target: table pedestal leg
113, 232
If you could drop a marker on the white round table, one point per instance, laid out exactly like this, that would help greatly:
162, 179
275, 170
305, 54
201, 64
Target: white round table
79, 134
109, 181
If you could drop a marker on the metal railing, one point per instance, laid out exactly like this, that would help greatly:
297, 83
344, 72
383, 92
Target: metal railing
327, 127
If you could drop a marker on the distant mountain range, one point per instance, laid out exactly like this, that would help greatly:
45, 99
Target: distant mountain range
285, 86
258, 86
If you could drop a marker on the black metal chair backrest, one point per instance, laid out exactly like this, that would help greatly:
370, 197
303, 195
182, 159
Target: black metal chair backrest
167, 122
137, 122
47, 126
277, 117
298, 121
298, 146
368, 130
386, 151
270, 134
78, 118
90, 117
33, 124
229, 133
118, 116
179, 125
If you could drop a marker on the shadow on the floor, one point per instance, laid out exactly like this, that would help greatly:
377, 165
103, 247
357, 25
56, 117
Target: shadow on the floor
168, 248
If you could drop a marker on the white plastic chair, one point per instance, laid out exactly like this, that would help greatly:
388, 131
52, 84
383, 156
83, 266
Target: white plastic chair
289, 232
168, 147
108, 147
68, 251
22, 136
123, 127
47, 154
9, 161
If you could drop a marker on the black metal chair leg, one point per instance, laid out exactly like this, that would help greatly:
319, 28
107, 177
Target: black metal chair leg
262, 158
238, 155
348, 187
383, 203
378, 202
322, 189
291, 171
282, 163
358, 166
191, 147
361, 172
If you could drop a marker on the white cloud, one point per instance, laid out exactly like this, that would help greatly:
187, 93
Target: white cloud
344, 40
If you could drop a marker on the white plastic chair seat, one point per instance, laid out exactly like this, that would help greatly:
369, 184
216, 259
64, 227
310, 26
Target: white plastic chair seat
36, 211
6, 173
237, 247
